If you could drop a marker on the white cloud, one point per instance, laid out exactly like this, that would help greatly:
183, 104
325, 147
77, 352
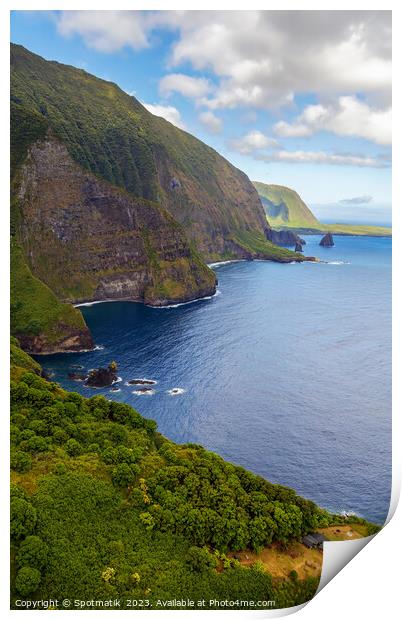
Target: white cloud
168, 112
212, 123
185, 85
263, 148
263, 58
347, 117
105, 31
253, 141
357, 200
321, 157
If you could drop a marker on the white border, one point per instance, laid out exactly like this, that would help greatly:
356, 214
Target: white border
368, 586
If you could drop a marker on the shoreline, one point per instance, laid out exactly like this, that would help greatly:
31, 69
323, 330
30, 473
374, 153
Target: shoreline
135, 301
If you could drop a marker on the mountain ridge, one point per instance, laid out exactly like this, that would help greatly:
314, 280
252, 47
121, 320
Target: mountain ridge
111, 202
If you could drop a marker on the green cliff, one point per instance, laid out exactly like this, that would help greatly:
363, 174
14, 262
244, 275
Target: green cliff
111, 202
284, 207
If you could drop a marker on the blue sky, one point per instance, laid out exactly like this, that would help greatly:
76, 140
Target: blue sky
294, 98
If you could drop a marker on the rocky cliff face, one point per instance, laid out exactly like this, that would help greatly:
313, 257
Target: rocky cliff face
88, 240
112, 135
285, 238
112, 202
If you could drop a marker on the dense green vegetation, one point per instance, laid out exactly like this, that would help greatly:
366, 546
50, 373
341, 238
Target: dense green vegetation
286, 211
104, 506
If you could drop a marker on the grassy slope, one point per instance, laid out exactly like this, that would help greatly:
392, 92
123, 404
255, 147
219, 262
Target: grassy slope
301, 219
294, 213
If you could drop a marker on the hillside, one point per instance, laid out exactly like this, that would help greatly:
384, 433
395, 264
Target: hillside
110, 134
284, 207
286, 211
111, 202
103, 506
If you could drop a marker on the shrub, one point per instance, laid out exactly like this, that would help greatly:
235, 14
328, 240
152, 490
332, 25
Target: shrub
20, 461
39, 427
73, 447
37, 444
148, 520
108, 574
135, 578
26, 434
60, 469
59, 435
200, 559
124, 474
33, 552
22, 518
27, 580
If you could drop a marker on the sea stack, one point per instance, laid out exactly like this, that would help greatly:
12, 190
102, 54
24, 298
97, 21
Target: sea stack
298, 247
102, 377
327, 241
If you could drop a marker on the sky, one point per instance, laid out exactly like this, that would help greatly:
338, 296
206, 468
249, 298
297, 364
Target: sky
296, 98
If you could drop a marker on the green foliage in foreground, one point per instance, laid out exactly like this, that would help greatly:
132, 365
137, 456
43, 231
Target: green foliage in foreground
103, 506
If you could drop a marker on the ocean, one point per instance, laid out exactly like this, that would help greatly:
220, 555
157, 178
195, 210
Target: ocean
285, 371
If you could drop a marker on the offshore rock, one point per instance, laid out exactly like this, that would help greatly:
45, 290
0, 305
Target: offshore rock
327, 241
102, 377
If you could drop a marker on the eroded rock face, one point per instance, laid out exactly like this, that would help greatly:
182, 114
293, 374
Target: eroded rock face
298, 247
327, 241
285, 238
77, 340
89, 240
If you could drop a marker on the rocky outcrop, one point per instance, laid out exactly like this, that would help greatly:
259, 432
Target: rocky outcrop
327, 241
102, 377
75, 341
285, 238
298, 247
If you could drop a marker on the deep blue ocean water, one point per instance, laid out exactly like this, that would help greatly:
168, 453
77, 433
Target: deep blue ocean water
286, 371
